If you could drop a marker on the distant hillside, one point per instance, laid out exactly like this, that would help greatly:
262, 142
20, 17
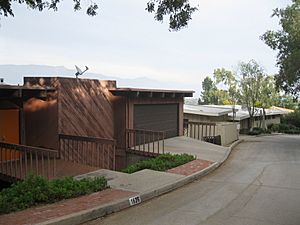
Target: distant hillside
13, 74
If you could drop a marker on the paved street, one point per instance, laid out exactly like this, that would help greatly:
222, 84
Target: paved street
258, 185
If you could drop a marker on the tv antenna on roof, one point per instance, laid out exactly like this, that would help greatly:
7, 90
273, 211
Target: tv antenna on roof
79, 72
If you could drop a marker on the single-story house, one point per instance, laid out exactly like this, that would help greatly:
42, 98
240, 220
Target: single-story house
206, 113
61, 113
202, 121
272, 116
223, 116
216, 113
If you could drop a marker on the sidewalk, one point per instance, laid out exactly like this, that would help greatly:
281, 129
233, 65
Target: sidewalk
144, 185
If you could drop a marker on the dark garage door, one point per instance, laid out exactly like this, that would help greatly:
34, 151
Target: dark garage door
158, 117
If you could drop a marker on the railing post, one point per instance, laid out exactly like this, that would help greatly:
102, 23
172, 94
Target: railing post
11, 169
15, 160
144, 141
134, 140
1, 158
31, 161
54, 165
139, 136
153, 150
21, 165
163, 141
114, 156
6, 158
48, 170
158, 137
43, 165
26, 162
149, 140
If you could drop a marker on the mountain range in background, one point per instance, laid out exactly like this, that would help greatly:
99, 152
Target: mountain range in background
13, 74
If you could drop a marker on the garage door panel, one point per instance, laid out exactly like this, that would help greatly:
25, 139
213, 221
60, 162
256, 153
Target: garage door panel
158, 117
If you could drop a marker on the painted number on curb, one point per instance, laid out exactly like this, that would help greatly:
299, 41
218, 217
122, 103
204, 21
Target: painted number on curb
135, 200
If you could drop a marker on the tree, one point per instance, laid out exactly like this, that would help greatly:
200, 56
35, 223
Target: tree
179, 11
269, 94
208, 95
229, 80
287, 42
251, 78
287, 101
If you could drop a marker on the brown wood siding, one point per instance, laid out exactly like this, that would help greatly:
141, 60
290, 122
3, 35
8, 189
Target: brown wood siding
41, 123
84, 105
157, 117
119, 106
85, 108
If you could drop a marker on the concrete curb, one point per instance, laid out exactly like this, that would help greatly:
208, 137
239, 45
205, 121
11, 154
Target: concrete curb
89, 214
97, 212
232, 146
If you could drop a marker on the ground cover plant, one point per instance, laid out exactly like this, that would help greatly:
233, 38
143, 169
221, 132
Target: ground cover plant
35, 190
160, 163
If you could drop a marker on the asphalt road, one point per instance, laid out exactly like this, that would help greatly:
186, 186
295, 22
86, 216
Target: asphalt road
258, 185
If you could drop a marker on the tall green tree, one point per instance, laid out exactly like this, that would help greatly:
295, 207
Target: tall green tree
228, 80
287, 42
269, 94
208, 95
251, 76
178, 12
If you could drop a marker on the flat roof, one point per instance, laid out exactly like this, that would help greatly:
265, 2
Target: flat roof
137, 92
21, 87
285, 110
218, 110
17, 91
243, 113
206, 110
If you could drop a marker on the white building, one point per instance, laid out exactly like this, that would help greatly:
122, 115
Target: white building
228, 119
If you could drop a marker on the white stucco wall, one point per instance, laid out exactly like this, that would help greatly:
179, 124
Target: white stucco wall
228, 131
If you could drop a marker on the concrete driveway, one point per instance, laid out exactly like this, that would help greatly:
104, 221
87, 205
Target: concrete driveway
201, 149
258, 185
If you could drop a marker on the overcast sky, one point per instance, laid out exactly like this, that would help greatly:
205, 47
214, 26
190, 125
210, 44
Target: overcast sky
124, 40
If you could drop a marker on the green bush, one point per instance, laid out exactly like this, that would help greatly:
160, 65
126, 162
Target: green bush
256, 131
273, 127
285, 128
160, 163
36, 190
292, 131
292, 119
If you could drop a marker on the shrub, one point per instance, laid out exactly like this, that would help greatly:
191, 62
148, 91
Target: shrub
285, 128
292, 119
273, 127
160, 163
255, 131
36, 190
292, 131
